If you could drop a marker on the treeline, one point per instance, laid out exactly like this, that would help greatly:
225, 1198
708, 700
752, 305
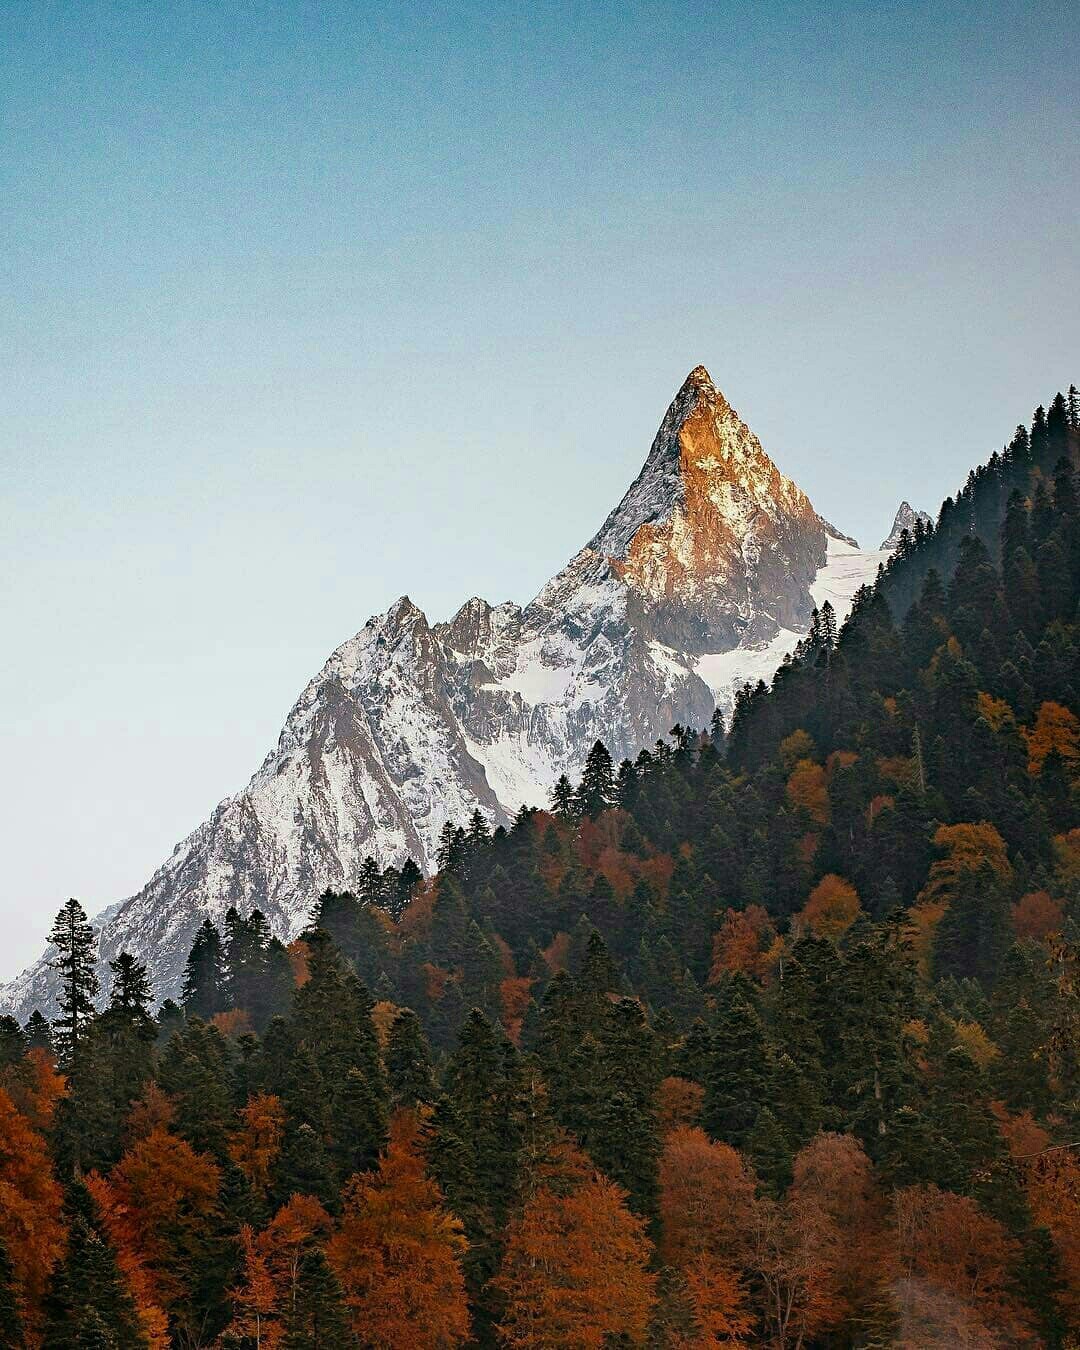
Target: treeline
768, 1037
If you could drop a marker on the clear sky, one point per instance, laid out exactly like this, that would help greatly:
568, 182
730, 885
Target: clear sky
306, 305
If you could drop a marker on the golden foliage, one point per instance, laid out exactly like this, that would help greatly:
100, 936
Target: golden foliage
808, 791
832, 908
967, 847
1056, 728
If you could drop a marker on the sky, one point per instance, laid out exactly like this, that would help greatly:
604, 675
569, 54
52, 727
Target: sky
306, 306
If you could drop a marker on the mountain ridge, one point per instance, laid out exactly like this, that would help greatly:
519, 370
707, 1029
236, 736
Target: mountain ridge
703, 576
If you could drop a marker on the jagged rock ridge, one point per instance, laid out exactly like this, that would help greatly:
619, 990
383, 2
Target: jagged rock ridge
704, 576
905, 519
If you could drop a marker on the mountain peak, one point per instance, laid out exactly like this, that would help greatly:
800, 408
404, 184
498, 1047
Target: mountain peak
905, 519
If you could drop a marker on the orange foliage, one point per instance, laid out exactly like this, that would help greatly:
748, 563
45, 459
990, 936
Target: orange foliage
575, 1271
1056, 728
898, 769
679, 1102
835, 1194
1036, 916
881, 802
808, 791
397, 1253
832, 908
514, 995
967, 847
557, 953
657, 871
1053, 1190
435, 979
415, 922
298, 959
840, 759
31, 1226
707, 1199
382, 1015
160, 1192
35, 1087
718, 1301
153, 1108
950, 1247
271, 1266
743, 944
234, 1022
1022, 1133
1067, 855
922, 922
254, 1148
807, 847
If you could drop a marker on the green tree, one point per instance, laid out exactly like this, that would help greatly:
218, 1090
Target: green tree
75, 944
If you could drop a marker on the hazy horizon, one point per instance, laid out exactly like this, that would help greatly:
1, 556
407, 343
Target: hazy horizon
310, 309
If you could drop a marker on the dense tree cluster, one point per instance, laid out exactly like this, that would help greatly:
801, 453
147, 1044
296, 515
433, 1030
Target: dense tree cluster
769, 1037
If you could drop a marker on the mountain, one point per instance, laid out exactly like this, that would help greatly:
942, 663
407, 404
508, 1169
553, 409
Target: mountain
905, 519
702, 578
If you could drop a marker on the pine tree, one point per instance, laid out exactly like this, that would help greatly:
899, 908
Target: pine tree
11, 1326
317, 1318
75, 942
203, 989
596, 791
408, 1062
38, 1033
562, 797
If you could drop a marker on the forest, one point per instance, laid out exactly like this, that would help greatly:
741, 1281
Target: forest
770, 1037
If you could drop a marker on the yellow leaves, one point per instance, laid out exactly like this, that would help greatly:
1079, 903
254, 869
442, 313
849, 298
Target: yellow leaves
976, 1042
922, 921
995, 710
1067, 856
1056, 728
832, 908
798, 746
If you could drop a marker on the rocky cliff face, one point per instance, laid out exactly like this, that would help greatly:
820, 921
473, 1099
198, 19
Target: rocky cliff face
704, 576
905, 519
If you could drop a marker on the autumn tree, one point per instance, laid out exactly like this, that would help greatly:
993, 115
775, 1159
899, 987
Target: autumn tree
832, 908
576, 1267
955, 1263
31, 1227
398, 1253
159, 1207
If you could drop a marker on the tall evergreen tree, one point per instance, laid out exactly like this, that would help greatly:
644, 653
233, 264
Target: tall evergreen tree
75, 944
203, 989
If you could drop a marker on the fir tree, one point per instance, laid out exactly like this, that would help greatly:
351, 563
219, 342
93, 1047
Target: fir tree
75, 943
203, 989
596, 791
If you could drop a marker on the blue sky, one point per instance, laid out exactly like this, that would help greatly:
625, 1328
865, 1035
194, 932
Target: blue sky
303, 306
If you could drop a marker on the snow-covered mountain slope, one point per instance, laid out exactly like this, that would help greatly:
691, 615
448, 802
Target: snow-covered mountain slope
703, 577
905, 519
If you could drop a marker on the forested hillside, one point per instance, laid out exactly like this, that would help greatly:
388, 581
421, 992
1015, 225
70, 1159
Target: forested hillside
769, 1037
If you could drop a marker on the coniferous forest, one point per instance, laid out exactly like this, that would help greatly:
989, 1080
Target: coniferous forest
767, 1038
